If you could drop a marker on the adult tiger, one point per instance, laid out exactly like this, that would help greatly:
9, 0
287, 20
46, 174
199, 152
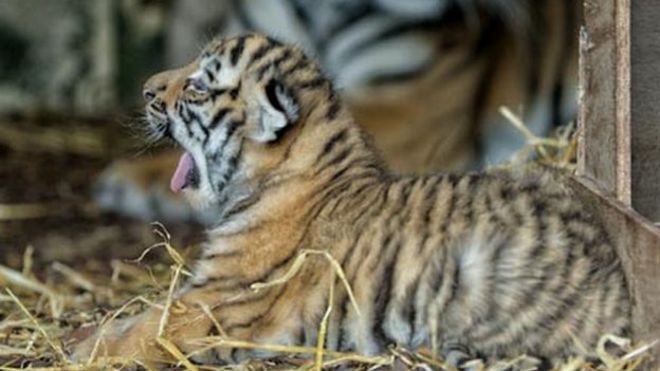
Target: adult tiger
424, 77
506, 263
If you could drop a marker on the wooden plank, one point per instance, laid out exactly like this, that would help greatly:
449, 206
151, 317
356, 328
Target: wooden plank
645, 130
604, 117
638, 245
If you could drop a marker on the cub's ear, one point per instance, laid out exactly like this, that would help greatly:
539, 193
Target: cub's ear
278, 111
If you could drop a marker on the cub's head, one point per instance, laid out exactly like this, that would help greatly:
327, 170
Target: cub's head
235, 111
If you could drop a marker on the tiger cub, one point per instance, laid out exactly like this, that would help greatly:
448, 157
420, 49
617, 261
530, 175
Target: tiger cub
497, 262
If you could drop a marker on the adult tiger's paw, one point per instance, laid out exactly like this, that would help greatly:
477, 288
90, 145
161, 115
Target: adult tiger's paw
139, 188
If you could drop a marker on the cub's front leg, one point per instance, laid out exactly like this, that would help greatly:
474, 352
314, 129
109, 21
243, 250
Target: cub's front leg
136, 337
250, 316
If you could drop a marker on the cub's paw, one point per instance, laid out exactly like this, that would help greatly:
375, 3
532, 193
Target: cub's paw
139, 188
133, 338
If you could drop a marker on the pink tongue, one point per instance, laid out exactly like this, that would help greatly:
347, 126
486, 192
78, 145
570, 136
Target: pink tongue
180, 176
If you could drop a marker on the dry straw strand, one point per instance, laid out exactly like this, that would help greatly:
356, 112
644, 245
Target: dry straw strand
168, 302
176, 353
207, 311
76, 278
58, 351
26, 211
297, 264
323, 328
18, 279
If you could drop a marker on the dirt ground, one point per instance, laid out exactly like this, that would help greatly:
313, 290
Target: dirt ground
56, 180
48, 221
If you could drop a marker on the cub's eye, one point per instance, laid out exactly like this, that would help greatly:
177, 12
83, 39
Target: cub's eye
197, 85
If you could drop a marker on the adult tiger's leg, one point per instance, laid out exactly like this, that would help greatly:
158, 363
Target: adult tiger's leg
138, 188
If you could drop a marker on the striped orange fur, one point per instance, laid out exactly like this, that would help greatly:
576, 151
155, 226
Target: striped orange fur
501, 262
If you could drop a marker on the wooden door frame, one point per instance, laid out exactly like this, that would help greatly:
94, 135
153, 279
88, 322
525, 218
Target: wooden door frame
618, 169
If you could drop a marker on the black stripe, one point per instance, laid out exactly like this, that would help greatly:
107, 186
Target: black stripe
334, 106
237, 50
233, 93
313, 83
197, 101
384, 294
187, 119
218, 117
213, 331
352, 197
300, 64
255, 318
406, 191
209, 75
341, 171
369, 210
337, 138
409, 311
470, 196
286, 54
260, 53
215, 282
343, 307
216, 93
455, 279
572, 215
336, 160
242, 206
430, 202
205, 131
186, 84
451, 205
340, 157
356, 195
231, 129
228, 254
232, 164
217, 65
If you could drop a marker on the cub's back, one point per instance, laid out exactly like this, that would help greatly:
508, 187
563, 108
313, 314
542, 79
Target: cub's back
504, 262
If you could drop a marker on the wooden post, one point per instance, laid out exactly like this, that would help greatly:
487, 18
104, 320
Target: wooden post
619, 143
604, 117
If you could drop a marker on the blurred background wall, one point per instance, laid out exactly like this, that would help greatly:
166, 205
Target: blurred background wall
78, 56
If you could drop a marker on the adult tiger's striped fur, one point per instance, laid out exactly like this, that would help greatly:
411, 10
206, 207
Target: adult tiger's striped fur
503, 264
425, 78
